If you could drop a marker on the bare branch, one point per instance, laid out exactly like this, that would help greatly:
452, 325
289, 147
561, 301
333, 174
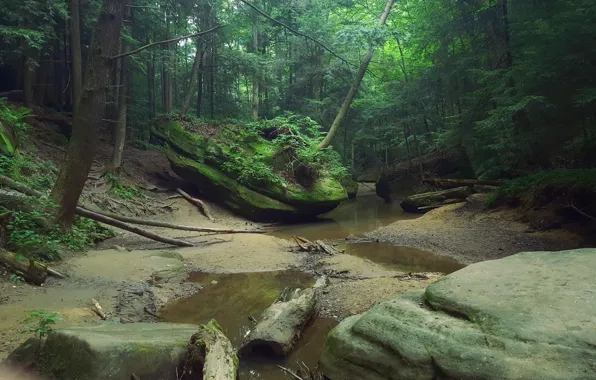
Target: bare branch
299, 33
167, 42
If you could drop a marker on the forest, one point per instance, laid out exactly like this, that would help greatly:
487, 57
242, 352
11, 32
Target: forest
414, 137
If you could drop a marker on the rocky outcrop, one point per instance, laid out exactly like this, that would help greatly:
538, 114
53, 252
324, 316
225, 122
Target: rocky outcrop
451, 163
147, 350
248, 172
527, 316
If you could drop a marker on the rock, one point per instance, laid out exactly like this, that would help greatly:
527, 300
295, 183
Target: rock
148, 350
427, 201
351, 187
452, 163
527, 316
212, 163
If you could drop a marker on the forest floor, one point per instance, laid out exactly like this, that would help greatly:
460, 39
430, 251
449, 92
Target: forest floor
133, 278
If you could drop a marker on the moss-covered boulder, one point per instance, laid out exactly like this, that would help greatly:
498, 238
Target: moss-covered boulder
527, 316
147, 350
268, 170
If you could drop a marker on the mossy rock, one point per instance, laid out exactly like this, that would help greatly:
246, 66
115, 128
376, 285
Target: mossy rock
148, 350
205, 161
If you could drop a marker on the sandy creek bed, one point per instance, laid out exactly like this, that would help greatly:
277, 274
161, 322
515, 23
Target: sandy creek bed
233, 277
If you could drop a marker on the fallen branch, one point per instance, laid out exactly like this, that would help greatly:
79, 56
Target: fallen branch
166, 42
581, 212
155, 223
98, 310
197, 202
95, 216
290, 372
326, 248
55, 273
32, 271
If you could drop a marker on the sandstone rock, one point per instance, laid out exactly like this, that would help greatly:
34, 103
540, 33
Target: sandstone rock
527, 316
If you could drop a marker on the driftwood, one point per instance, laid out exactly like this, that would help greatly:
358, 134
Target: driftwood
281, 324
95, 216
448, 183
154, 223
98, 310
197, 202
211, 353
316, 247
426, 201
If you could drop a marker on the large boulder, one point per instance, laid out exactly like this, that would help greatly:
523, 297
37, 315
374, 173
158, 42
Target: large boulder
527, 316
449, 163
256, 172
148, 350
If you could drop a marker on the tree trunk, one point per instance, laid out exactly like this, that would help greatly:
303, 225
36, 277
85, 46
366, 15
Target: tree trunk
151, 83
75, 51
87, 122
426, 201
193, 84
120, 128
255, 80
211, 354
28, 78
354, 89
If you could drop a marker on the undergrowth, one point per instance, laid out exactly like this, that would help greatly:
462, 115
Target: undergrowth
567, 185
285, 148
27, 227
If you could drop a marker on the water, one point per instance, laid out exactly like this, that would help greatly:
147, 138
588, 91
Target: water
403, 259
354, 217
237, 296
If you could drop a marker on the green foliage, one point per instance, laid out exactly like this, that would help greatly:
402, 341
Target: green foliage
545, 186
16, 279
44, 320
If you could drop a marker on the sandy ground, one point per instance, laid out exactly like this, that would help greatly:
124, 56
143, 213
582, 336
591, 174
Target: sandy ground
468, 233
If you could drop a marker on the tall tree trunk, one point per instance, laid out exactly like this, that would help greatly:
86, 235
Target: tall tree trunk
151, 84
212, 79
75, 51
192, 85
354, 89
28, 77
166, 74
255, 79
105, 44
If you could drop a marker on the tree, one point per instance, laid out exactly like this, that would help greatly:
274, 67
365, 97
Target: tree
105, 44
75, 46
341, 114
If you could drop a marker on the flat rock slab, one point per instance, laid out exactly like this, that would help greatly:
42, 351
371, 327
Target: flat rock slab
148, 350
527, 316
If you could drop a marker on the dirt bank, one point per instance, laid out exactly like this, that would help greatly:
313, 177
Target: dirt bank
469, 233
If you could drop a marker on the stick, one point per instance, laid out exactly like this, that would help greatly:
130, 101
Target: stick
97, 217
327, 249
166, 42
97, 309
197, 202
581, 212
290, 372
54, 273
155, 223
302, 246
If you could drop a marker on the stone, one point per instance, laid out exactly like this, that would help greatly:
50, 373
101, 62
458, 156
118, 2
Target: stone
148, 350
528, 316
212, 163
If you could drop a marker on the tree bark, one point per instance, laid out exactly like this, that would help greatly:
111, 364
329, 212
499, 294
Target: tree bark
356, 85
255, 79
120, 127
426, 201
151, 83
87, 122
28, 78
211, 354
193, 84
75, 51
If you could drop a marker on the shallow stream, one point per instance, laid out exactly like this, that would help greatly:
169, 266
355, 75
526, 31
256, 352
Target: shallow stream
232, 298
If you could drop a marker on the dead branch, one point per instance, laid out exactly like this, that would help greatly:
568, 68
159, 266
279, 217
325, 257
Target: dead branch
154, 223
326, 248
581, 212
197, 202
95, 216
290, 372
167, 42
55, 273
98, 310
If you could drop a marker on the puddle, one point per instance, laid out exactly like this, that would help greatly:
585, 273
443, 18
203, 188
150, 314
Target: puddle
355, 216
402, 259
232, 298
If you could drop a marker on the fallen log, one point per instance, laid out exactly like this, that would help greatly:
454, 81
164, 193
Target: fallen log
95, 216
197, 202
155, 223
98, 310
211, 353
450, 183
327, 248
426, 201
281, 324
32, 271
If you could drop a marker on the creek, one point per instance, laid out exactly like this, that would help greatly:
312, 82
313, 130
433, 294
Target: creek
232, 298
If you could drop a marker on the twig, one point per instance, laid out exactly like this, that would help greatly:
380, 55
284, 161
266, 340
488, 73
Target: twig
97, 309
166, 42
55, 273
197, 202
289, 371
581, 212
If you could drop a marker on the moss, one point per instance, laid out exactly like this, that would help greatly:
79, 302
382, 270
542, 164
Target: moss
69, 358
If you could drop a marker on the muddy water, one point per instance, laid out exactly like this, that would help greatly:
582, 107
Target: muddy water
232, 298
353, 217
403, 259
